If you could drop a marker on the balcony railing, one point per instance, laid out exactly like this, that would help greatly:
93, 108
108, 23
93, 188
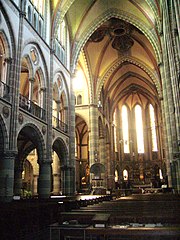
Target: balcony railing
4, 90
59, 124
31, 107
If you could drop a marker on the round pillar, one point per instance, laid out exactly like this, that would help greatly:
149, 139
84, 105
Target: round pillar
7, 176
44, 181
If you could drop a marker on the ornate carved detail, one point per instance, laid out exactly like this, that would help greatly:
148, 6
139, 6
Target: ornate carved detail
43, 130
98, 35
134, 61
10, 154
122, 43
5, 111
34, 56
8, 60
20, 118
117, 29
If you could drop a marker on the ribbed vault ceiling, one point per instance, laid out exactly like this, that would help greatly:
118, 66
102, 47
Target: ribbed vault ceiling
118, 56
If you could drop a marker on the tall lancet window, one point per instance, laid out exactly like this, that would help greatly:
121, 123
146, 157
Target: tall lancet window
125, 128
139, 129
39, 4
115, 132
153, 128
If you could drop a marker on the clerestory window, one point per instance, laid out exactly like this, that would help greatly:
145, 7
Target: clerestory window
153, 128
139, 129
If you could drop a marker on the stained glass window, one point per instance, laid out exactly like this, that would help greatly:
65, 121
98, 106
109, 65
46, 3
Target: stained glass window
139, 129
125, 129
153, 128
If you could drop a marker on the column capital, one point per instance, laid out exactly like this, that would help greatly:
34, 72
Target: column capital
43, 89
8, 60
22, 14
58, 101
52, 51
10, 153
32, 79
45, 162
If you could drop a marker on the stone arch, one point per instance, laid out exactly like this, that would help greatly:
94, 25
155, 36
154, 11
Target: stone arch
123, 16
4, 38
10, 46
34, 139
4, 58
60, 147
4, 138
29, 64
64, 86
59, 166
42, 77
64, 97
55, 92
30, 146
60, 13
131, 60
41, 61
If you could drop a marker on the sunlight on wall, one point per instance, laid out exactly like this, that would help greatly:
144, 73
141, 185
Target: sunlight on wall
39, 4
79, 81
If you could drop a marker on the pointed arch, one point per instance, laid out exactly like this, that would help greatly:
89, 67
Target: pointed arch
4, 138
32, 134
151, 36
60, 147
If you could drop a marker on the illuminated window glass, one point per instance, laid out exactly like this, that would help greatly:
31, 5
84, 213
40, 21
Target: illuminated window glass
139, 129
39, 4
62, 33
79, 99
153, 128
76, 149
125, 175
116, 176
115, 131
125, 128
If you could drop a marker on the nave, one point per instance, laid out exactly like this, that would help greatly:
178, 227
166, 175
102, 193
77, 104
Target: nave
137, 216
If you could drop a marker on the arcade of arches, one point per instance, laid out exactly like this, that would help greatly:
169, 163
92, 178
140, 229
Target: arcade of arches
89, 96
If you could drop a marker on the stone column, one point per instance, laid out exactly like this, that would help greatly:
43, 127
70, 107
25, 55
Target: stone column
7, 176
44, 181
65, 114
35, 184
14, 82
93, 136
42, 97
102, 157
18, 178
58, 114
8, 62
171, 92
31, 86
56, 175
68, 174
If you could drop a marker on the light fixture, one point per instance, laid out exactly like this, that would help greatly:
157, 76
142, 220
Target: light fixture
99, 104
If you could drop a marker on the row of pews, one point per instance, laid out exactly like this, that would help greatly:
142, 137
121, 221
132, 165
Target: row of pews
149, 216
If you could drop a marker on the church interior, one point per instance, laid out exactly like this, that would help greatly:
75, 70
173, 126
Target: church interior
90, 119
